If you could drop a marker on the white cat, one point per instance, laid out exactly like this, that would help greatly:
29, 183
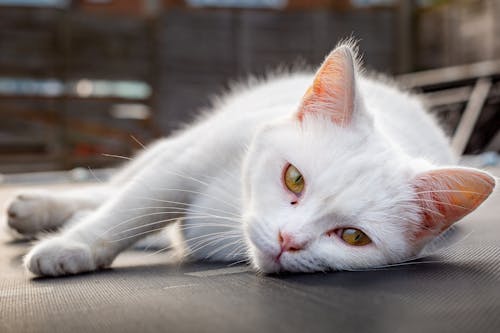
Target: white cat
353, 174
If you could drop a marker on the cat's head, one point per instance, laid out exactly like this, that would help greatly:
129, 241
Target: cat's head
326, 190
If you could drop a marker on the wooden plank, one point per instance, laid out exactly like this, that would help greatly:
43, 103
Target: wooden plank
471, 114
447, 96
450, 74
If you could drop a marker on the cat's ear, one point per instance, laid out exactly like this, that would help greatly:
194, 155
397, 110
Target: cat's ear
447, 195
333, 90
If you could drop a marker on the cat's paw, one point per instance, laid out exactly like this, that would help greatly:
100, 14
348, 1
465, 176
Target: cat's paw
31, 212
59, 256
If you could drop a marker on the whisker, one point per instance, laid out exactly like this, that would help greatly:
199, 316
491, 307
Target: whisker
191, 205
185, 176
441, 203
136, 235
167, 248
177, 219
238, 250
137, 141
230, 232
130, 220
418, 208
117, 156
409, 263
203, 238
94, 175
246, 260
395, 216
147, 225
185, 210
211, 253
208, 225
215, 179
200, 193
450, 191
204, 243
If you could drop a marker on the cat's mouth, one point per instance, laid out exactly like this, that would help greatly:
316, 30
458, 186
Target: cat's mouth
277, 258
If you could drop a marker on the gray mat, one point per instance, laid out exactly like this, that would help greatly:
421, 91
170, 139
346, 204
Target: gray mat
457, 290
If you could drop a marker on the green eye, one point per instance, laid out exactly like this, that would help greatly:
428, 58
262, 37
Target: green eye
355, 237
294, 180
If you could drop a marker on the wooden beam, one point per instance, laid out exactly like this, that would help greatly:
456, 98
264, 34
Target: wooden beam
471, 114
450, 74
447, 96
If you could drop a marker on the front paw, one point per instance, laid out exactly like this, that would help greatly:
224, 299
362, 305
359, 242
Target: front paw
59, 256
30, 212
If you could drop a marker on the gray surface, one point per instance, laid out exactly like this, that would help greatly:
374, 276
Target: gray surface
455, 291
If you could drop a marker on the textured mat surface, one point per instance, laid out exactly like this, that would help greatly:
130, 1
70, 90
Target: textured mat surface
457, 290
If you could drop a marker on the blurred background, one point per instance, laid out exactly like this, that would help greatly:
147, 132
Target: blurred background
84, 80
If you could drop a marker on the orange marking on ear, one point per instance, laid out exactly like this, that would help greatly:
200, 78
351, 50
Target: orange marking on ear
448, 195
332, 91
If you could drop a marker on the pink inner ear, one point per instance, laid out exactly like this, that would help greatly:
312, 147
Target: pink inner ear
447, 195
332, 91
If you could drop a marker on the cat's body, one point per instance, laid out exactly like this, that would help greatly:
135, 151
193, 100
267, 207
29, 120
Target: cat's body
222, 178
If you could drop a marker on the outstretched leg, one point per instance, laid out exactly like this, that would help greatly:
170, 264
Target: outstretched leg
33, 211
136, 209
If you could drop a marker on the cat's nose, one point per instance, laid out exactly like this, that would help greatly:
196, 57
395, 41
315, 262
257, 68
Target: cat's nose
288, 243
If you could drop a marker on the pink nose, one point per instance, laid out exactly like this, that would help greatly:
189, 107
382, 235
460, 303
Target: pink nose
288, 243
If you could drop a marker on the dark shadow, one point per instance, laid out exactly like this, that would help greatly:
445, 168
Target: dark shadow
20, 241
421, 271
134, 271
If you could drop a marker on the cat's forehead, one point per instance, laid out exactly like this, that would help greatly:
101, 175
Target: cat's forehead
315, 139
333, 158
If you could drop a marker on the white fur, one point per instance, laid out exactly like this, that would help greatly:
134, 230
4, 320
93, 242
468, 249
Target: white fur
221, 178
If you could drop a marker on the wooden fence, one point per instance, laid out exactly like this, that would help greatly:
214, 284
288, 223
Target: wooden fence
457, 33
65, 128
184, 56
199, 51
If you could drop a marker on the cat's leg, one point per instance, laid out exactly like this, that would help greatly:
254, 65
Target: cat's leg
121, 221
32, 211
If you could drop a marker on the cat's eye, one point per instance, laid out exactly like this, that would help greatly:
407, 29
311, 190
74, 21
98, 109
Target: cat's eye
354, 237
294, 180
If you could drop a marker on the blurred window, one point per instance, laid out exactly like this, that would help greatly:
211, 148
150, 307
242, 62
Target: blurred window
239, 3
362, 3
36, 3
81, 88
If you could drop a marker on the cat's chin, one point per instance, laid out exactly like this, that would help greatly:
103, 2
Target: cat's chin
265, 263
268, 267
